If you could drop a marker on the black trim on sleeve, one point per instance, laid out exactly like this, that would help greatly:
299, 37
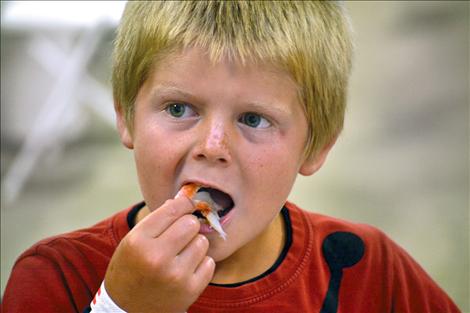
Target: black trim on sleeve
282, 256
133, 214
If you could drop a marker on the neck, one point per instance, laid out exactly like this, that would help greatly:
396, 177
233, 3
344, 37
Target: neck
254, 258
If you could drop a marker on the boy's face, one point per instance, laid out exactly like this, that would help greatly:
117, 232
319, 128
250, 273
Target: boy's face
237, 129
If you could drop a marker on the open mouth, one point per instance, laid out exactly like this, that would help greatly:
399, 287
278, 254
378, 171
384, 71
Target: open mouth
211, 205
224, 203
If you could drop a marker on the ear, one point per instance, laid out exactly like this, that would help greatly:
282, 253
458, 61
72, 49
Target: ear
313, 163
123, 129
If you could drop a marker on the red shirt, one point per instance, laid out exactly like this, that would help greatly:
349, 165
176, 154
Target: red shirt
327, 265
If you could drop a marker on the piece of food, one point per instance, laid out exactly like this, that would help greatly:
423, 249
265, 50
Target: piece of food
205, 204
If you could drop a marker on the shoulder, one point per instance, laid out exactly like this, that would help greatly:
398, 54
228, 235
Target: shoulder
372, 249
81, 253
372, 260
323, 225
64, 271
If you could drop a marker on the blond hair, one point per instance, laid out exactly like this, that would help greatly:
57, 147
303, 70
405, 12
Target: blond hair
311, 40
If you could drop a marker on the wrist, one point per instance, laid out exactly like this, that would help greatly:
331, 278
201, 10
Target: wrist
102, 302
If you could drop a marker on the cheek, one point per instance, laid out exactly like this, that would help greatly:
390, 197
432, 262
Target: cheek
153, 149
155, 160
272, 173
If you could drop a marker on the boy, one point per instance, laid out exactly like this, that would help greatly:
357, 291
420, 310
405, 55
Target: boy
237, 97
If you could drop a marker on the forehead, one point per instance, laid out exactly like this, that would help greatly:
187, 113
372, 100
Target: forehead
192, 71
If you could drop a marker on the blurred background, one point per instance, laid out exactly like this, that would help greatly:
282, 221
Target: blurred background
401, 164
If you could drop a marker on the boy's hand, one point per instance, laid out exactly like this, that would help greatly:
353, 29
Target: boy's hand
161, 265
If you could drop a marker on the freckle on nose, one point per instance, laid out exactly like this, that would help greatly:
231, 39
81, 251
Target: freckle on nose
219, 139
224, 142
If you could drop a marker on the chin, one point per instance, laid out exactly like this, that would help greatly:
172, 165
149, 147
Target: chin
221, 250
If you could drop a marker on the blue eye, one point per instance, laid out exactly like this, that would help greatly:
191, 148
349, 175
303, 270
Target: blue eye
179, 110
254, 120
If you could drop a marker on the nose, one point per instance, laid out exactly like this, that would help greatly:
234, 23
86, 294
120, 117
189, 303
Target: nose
213, 144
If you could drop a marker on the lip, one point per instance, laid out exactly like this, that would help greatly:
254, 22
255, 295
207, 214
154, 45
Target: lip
207, 229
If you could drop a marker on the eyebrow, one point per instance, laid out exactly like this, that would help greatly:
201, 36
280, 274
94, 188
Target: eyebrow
166, 89
268, 107
171, 89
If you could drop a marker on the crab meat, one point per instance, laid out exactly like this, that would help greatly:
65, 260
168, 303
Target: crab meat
204, 204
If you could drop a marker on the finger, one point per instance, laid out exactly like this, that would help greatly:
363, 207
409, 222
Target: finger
178, 235
204, 273
159, 220
193, 254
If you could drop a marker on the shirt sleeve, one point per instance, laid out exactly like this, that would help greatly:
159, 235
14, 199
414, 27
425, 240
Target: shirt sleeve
414, 290
37, 284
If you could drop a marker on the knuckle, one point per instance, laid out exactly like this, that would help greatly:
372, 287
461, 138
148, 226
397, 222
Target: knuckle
175, 208
132, 241
194, 287
158, 261
159, 270
175, 276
